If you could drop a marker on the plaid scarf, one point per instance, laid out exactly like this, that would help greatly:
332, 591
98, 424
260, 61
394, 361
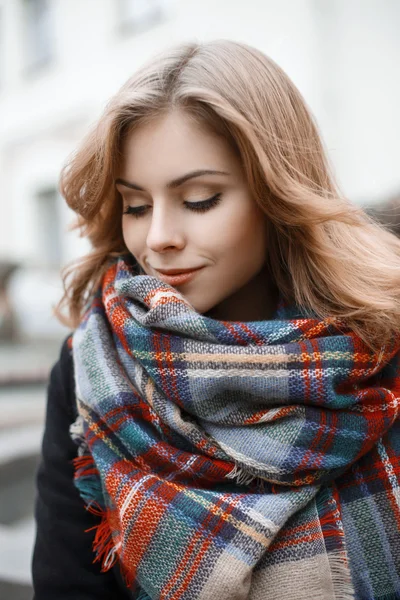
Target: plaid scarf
236, 460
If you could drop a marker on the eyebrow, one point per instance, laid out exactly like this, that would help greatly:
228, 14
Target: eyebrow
175, 182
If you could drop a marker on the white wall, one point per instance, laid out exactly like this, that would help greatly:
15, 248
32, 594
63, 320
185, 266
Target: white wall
359, 67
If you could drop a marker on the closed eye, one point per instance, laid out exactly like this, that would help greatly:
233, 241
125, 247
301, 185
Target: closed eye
201, 206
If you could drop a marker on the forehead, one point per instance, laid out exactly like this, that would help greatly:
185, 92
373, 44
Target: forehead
173, 144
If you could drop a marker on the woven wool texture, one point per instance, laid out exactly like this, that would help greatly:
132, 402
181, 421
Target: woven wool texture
236, 460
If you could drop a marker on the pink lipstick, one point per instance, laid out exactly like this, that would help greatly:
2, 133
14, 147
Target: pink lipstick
178, 278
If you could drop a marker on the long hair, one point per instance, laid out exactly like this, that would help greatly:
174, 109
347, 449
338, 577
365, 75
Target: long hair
324, 253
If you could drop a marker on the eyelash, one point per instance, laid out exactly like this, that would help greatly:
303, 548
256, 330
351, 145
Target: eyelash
200, 207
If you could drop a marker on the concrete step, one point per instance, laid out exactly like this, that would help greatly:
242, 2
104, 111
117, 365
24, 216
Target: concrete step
15, 591
27, 362
19, 456
16, 545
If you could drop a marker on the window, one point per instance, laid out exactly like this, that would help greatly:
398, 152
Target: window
139, 14
48, 227
37, 33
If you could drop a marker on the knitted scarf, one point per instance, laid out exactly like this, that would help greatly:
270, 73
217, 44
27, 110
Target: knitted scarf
231, 460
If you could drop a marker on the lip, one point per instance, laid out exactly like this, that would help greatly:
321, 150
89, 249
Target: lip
175, 277
176, 271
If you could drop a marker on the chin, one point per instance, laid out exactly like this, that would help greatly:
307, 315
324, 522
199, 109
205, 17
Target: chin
207, 311
199, 307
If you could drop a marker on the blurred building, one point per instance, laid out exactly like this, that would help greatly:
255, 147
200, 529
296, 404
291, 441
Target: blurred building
388, 213
60, 60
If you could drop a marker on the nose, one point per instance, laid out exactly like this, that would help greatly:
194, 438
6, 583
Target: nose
165, 230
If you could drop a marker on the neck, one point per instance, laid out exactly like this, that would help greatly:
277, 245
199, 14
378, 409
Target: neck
256, 301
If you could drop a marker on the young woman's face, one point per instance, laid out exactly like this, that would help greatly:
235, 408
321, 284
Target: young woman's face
187, 205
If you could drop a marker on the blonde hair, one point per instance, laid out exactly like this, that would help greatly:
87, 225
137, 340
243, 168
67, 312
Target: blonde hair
324, 253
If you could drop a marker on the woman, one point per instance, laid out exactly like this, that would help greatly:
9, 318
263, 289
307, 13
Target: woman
232, 382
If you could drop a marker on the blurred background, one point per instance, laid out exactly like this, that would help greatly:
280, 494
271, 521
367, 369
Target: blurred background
60, 61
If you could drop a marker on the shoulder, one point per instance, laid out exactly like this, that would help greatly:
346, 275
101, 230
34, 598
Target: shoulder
61, 386
65, 358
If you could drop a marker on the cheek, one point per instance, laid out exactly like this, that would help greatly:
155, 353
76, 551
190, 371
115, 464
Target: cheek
242, 231
132, 237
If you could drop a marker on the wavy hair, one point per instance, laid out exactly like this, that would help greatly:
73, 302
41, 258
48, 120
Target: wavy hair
325, 254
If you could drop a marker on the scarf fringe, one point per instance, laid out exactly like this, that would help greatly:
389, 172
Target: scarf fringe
76, 430
87, 479
243, 477
330, 521
103, 543
85, 466
329, 526
107, 552
255, 482
341, 577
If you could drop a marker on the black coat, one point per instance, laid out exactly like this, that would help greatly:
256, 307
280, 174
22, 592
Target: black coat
62, 565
